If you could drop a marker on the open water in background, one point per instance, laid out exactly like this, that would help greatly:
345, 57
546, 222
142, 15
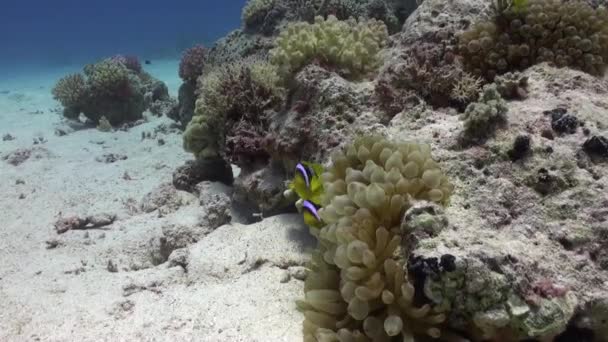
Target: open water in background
42, 34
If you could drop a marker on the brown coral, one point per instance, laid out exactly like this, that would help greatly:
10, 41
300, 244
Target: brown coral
569, 34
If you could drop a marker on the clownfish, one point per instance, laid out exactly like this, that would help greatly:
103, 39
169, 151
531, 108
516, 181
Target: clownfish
311, 215
307, 182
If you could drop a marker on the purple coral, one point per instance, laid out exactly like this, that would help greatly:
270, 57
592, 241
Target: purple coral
129, 61
191, 65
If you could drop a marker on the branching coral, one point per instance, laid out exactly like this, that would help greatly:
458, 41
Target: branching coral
481, 118
569, 34
70, 91
109, 78
357, 289
192, 63
466, 88
114, 88
512, 85
351, 46
129, 61
255, 11
233, 100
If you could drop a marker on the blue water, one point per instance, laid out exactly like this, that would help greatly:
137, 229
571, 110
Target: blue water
37, 34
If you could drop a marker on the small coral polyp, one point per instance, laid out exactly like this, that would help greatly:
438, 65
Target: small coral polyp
350, 45
357, 289
570, 34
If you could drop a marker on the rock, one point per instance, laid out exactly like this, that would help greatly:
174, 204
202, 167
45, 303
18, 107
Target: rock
206, 188
183, 110
218, 210
423, 220
521, 147
189, 225
53, 243
108, 158
596, 146
179, 257
156, 90
68, 223
165, 195
284, 277
297, 272
562, 122
193, 172
111, 267
7, 137
121, 309
261, 193
276, 241
64, 224
19, 156
162, 107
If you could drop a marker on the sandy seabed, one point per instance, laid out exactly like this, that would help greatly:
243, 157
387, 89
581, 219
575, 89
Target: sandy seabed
239, 283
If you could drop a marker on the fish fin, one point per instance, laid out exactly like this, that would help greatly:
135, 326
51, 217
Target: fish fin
311, 220
316, 168
299, 186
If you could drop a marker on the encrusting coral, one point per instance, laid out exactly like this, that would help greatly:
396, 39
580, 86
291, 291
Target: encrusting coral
569, 34
357, 289
351, 46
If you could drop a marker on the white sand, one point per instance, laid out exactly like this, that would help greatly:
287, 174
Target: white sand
231, 292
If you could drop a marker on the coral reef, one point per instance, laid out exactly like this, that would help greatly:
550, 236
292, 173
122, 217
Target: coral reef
351, 46
70, 91
569, 34
255, 12
356, 289
129, 61
114, 88
183, 111
192, 63
230, 118
512, 86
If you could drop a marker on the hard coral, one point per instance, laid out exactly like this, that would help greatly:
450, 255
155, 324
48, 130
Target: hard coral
129, 61
109, 78
192, 63
430, 71
356, 289
481, 118
234, 99
115, 88
350, 46
70, 91
255, 11
569, 34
